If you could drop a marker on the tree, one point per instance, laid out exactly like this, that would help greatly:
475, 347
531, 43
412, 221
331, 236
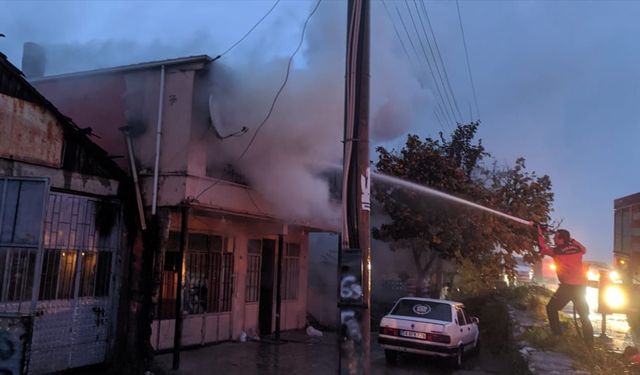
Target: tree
431, 228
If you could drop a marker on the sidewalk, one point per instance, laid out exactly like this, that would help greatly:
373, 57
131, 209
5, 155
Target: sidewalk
300, 354
296, 352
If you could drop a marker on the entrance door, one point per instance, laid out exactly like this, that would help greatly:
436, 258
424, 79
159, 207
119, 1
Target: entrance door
265, 309
76, 299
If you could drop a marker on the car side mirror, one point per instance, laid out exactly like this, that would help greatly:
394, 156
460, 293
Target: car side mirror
475, 320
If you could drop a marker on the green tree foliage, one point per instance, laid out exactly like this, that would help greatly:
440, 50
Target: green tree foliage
431, 227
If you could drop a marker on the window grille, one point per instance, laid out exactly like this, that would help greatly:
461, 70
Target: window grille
208, 286
291, 271
254, 255
21, 208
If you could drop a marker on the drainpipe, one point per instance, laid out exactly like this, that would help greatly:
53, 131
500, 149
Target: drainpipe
184, 243
134, 173
279, 285
156, 168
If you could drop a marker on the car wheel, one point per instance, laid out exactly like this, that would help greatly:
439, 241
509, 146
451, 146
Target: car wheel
459, 358
390, 356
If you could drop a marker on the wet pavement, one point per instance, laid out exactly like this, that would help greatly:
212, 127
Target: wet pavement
300, 354
617, 330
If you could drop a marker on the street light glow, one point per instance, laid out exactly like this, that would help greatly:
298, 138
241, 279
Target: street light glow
614, 297
593, 276
614, 276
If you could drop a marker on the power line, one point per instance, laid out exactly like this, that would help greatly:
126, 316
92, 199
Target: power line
418, 57
466, 53
435, 42
407, 32
284, 83
250, 30
400, 39
424, 52
275, 99
444, 69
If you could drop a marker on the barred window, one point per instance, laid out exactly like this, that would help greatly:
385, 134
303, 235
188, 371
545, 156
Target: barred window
21, 206
58, 274
254, 255
95, 269
208, 278
17, 267
291, 271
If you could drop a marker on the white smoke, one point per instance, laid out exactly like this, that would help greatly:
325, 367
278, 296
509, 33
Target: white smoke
306, 126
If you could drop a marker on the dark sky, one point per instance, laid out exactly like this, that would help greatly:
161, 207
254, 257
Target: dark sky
557, 81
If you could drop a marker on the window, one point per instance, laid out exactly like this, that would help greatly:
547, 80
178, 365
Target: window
208, 276
95, 269
423, 309
21, 211
461, 320
17, 267
21, 206
252, 290
467, 318
291, 271
58, 274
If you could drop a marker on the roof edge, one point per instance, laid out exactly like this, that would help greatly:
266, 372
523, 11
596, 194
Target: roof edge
130, 67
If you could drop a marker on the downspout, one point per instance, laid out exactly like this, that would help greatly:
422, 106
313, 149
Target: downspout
134, 173
156, 168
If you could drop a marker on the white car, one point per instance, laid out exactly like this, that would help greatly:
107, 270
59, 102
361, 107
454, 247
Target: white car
429, 326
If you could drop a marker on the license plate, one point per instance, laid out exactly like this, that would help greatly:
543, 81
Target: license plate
412, 334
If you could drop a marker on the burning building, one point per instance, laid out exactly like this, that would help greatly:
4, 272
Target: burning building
210, 238
61, 236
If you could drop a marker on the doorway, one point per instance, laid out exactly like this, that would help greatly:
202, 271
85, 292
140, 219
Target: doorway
265, 309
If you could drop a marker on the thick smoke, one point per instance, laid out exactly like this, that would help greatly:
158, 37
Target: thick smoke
306, 127
305, 130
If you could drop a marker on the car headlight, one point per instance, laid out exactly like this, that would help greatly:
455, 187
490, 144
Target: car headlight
615, 297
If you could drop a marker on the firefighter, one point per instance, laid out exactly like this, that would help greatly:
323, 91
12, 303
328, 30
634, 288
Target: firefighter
567, 255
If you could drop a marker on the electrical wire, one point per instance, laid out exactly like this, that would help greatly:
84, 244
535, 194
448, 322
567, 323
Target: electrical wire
275, 99
435, 62
250, 30
466, 53
426, 58
435, 42
284, 83
400, 39
448, 115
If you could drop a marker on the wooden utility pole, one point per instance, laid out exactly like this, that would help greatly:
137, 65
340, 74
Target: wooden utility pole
355, 259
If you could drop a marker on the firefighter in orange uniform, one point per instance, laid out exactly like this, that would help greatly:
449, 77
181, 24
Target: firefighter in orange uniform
567, 255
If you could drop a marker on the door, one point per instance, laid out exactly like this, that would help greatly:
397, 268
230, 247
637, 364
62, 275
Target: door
74, 317
265, 309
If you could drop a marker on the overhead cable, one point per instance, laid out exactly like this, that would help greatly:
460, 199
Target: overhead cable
446, 76
275, 99
435, 42
466, 53
250, 30
449, 116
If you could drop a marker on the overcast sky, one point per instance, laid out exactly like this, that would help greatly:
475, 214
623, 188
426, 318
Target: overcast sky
557, 82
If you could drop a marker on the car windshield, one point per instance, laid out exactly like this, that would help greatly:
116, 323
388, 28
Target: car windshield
423, 309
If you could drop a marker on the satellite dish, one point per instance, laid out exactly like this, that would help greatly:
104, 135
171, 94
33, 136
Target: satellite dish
216, 120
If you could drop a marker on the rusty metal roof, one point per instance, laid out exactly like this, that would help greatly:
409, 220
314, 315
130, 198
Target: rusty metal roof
13, 83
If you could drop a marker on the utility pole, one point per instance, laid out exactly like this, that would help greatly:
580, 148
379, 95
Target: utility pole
355, 260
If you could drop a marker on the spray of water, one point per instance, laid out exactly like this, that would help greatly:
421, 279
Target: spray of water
423, 189
433, 192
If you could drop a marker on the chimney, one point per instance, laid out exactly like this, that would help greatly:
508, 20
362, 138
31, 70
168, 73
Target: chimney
33, 60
